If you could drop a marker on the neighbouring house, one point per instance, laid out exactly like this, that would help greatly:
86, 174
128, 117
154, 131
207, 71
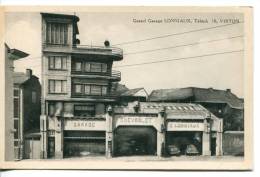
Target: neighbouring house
27, 110
126, 95
11, 55
222, 103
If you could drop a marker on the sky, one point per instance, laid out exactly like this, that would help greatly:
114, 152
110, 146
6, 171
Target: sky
23, 32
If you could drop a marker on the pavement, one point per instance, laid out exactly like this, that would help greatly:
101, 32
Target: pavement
150, 158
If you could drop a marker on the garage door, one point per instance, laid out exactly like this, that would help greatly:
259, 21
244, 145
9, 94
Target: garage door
134, 141
80, 144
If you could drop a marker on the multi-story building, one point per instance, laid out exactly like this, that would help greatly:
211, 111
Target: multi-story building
81, 116
77, 82
10, 132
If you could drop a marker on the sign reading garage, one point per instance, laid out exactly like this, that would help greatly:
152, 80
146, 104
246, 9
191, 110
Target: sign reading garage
87, 125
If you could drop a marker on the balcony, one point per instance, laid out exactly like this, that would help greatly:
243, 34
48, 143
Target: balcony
113, 52
114, 76
102, 52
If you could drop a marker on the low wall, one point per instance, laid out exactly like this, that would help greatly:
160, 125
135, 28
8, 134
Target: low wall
233, 143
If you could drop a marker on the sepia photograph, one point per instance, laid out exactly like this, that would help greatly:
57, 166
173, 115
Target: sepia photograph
154, 88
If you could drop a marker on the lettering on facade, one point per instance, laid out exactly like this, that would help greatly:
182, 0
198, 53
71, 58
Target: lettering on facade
85, 125
184, 126
134, 120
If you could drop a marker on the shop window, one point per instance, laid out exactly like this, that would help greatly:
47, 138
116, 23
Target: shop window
56, 33
57, 86
84, 110
58, 62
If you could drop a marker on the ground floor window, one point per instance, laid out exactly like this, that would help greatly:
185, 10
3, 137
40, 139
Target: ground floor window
184, 143
84, 143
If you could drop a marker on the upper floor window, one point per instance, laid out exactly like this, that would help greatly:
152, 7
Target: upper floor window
90, 67
58, 62
90, 89
84, 110
57, 33
57, 86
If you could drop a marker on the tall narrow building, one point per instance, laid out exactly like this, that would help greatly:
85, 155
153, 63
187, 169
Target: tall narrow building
77, 81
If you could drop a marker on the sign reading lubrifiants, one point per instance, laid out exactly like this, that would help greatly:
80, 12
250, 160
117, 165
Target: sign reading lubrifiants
185, 126
84, 125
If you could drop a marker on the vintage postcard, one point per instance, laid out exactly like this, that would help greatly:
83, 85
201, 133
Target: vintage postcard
134, 88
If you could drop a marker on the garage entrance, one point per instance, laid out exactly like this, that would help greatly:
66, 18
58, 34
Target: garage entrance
133, 140
84, 143
184, 143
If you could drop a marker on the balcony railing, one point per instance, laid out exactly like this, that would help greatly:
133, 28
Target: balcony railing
116, 52
114, 75
100, 50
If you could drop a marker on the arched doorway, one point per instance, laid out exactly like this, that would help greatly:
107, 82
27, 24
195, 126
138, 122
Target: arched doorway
135, 140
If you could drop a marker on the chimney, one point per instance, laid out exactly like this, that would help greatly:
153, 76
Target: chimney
29, 73
228, 90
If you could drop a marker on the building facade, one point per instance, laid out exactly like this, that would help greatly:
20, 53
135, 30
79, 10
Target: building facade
77, 84
222, 103
26, 113
10, 56
81, 115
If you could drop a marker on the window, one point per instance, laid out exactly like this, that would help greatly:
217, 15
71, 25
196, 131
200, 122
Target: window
96, 90
16, 92
16, 107
87, 67
16, 127
34, 97
57, 86
84, 110
104, 90
56, 33
78, 88
58, 62
104, 67
87, 89
51, 110
78, 66
96, 67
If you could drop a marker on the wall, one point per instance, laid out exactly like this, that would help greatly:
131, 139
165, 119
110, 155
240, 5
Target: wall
233, 143
9, 136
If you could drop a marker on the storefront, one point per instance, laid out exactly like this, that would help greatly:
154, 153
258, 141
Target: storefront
140, 128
